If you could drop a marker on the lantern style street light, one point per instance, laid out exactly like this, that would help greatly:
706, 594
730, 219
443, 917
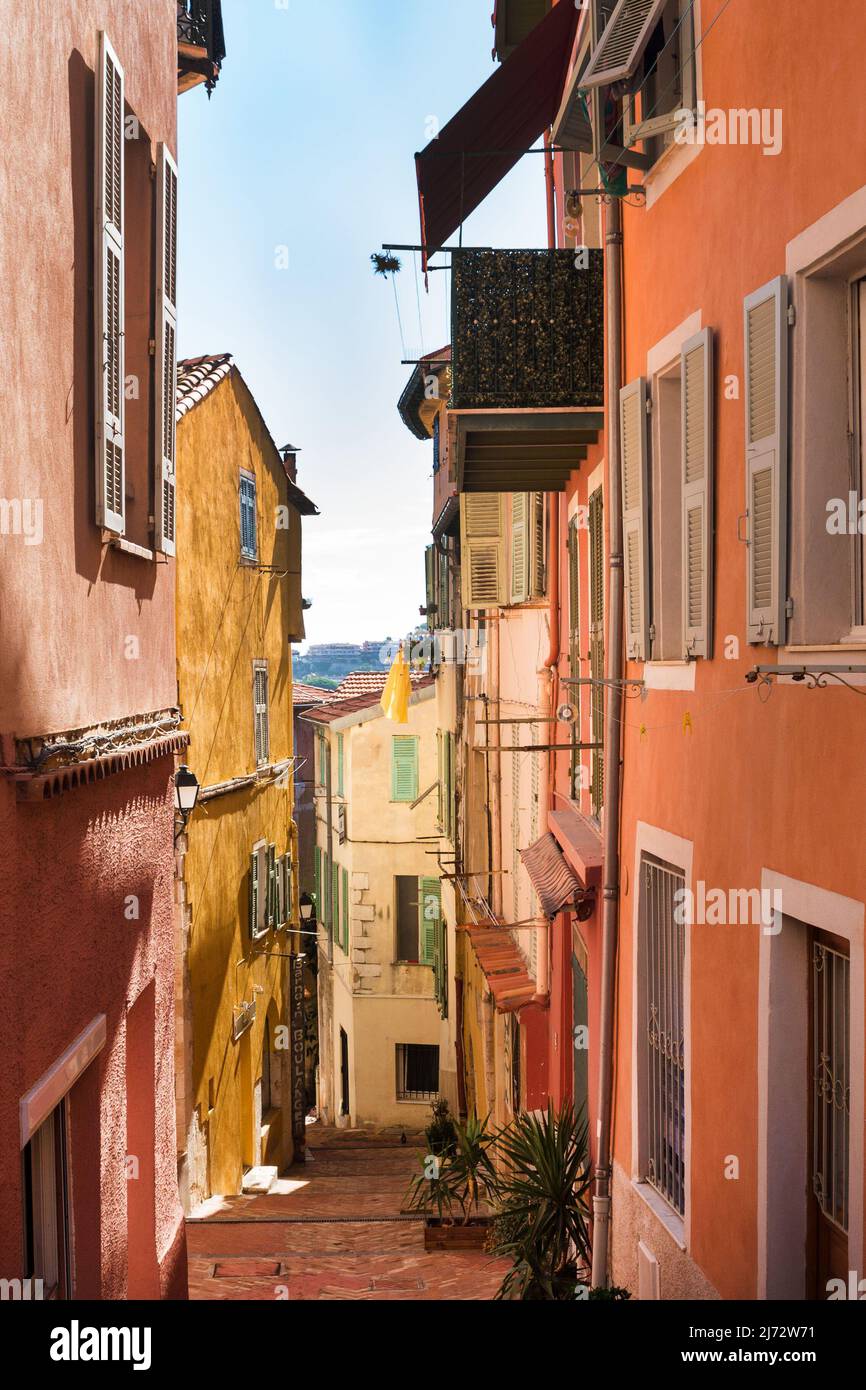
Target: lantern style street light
306, 904
186, 790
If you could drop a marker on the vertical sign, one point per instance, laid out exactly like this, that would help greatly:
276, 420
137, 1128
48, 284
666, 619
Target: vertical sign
299, 1095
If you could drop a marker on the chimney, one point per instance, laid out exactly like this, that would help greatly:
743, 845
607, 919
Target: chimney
290, 459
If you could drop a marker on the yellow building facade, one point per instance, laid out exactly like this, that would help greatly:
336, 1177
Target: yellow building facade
239, 607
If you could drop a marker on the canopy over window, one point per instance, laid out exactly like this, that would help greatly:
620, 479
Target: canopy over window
503, 120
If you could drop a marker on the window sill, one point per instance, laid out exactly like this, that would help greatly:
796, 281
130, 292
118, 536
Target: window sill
130, 548
250, 562
671, 1220
669, 675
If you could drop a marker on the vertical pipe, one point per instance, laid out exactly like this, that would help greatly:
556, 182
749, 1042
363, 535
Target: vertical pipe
612, 743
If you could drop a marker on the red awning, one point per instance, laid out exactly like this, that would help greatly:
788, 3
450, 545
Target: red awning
508, 114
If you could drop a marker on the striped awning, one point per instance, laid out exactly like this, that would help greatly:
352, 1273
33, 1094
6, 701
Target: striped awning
553, 878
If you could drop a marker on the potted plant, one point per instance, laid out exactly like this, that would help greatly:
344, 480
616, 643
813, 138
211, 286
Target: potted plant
452, 1186
441, 1132
542, 1218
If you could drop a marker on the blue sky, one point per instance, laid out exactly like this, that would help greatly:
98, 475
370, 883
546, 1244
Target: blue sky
307, 145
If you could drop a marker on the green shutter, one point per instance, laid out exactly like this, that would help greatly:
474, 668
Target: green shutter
272, 886
254, 893
429, 915
317, 872
339, 764
346, 910
430, 586
404, 767
451, 782
335, 904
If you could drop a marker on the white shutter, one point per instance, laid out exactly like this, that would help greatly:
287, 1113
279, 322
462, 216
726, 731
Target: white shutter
622, 45
108, 290
482, 550
166, 352
536, 545
696, 374
572, 129
519, 547
635, 518
766, 357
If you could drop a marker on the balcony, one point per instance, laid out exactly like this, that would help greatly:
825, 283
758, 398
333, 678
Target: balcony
200, 44
527, 393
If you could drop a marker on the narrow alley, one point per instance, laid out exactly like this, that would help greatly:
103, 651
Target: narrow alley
332, 1228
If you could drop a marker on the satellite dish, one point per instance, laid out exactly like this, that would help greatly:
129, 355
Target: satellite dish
565, 714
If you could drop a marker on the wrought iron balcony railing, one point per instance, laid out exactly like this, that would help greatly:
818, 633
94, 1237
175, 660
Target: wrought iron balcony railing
200, 43
527, 330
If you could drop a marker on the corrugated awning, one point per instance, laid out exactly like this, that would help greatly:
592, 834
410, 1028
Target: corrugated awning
503, 120
553, 878
508, 979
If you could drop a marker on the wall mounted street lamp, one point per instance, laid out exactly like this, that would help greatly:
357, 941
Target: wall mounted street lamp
307, 907
186, 790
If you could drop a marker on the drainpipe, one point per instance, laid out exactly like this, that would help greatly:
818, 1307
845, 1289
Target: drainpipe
612, 746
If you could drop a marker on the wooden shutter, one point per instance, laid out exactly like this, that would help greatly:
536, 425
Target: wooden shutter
482, 558
622, 45
404, 767
339, 764
766, 357
335, 902
166, 351
110, 469
537, 576
696, 376
255, 889
452, 788
272, 886
440, 768
635, 521
346, 910
572, 129
429, 913
519, 547
430, 586
317, 880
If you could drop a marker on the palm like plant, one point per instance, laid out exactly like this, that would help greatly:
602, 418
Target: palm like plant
464, 1174
542, 1221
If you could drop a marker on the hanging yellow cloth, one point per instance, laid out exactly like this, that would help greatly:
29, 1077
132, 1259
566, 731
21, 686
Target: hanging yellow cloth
398, 689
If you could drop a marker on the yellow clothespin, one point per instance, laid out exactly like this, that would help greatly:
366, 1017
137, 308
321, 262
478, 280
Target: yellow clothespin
643, 731
687, 723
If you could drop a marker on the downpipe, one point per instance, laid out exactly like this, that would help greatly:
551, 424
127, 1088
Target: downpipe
601, 1199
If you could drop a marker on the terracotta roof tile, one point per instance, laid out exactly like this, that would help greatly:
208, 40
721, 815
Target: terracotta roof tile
309, 694
338, 707
197, 377
363, 682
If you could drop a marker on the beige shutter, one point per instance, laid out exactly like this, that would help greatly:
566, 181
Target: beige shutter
572, 129
536, 544
696, 374
635, 529
622, 45
482, 547
766, 356
519, 547
108, 290
166, 351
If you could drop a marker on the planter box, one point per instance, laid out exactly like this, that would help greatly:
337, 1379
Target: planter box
471, 1237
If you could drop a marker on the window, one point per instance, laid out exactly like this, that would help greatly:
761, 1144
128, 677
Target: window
321, 758
665, 80
346, 910
135, 438
661, 1017
260, 712
417, 1071
335, 902
262, 905
418, 915
249, 536
446, 747
404, 767
527, 560
46, 1206
436, 444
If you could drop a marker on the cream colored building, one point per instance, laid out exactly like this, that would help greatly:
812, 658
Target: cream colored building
385, 1045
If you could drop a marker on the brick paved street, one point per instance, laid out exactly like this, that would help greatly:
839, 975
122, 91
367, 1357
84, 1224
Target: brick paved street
312, 1234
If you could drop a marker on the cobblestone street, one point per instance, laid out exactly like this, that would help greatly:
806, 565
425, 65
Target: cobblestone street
332, 1229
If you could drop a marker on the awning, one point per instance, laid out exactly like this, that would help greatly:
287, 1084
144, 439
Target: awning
503, 120
504, 968
552, 877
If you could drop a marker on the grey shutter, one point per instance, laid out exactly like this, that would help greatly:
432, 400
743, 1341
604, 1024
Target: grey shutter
109, 293
572, 129
166, 352
272, 885
254, 894
696, 374
635, 520
482, 560
519, 547
766, 357
622, 45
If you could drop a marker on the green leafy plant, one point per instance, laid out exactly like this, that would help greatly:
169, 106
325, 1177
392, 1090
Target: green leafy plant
542, 1221
614, 1294
461, 1177
441, 1132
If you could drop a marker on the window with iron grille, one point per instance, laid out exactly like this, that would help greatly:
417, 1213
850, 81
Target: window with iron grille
831, 1079
662, 1024
574, 647
260, 711
417, 1071
436, 445
249, 540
